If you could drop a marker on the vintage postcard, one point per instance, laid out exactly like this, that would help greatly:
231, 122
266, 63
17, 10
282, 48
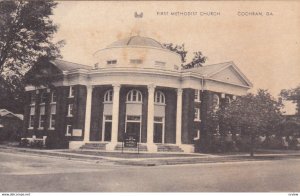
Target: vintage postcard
149, 96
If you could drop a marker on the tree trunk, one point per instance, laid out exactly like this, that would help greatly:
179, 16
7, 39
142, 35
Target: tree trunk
252, 146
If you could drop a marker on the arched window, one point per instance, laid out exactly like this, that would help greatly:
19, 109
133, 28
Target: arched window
159, 97
134, 96
216, 102
108, 96
227, 99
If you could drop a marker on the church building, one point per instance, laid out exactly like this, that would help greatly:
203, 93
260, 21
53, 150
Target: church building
135, 87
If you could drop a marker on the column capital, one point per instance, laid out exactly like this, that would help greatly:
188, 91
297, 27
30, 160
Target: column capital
90, 87
151, 87
179, 91
116, 86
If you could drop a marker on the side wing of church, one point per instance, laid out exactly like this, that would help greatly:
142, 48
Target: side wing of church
137, 88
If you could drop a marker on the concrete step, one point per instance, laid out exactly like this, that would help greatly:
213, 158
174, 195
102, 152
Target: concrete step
141, 148
168, 148
94, 146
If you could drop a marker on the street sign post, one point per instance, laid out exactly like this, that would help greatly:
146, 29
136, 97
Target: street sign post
130, 141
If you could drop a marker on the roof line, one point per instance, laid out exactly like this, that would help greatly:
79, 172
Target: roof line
69, 62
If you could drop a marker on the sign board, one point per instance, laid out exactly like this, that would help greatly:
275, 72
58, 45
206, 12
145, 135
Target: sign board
77, 132
130, 141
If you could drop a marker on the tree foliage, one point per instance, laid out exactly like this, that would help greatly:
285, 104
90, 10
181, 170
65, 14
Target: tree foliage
293, 95
253, 115
26, 33
198, 60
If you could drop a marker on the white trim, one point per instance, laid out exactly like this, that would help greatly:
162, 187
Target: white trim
68, 131
198, 99
69, 110
197, 115
163, 128
71, 91
108, 96
130, 96
161, 98
104, 120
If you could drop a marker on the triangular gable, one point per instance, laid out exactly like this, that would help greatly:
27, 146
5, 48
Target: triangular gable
230, 74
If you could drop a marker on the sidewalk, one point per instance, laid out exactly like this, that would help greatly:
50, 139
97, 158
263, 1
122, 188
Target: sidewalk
153, 159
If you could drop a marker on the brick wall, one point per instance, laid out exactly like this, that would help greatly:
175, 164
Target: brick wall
170, 121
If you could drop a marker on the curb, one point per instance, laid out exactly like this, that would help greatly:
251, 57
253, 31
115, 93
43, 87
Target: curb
148, 162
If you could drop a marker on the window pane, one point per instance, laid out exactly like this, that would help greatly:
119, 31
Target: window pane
53, 109
133, 118
108, 117
158, 119
42, 110
32, 110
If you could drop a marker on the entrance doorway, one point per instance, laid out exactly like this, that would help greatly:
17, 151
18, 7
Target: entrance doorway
133, 126
158, 130
107, 126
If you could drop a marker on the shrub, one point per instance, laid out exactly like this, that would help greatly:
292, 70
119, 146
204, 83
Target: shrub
37, 144
24, 142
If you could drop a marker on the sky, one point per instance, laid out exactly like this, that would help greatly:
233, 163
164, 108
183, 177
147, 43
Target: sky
265, 47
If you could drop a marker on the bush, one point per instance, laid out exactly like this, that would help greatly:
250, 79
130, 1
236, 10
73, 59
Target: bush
293, 144
243, 143
24, 142
37, 144
273, 143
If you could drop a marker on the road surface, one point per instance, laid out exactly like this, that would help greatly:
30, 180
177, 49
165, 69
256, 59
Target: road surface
20, 172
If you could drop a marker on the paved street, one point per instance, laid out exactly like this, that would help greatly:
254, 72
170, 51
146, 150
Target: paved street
32, 173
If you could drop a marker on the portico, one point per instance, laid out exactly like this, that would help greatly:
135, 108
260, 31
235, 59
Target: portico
142, 110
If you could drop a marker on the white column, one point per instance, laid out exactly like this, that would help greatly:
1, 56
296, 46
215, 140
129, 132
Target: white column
115, 113
88, 109
150, 119
178, 116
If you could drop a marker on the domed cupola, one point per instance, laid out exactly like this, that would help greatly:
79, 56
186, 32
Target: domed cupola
137, 52
136, 41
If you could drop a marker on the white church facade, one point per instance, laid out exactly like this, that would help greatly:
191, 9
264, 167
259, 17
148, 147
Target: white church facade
137, 87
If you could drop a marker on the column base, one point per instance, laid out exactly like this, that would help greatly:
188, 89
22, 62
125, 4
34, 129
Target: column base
111, 146
187, 148
151, 147
76, 144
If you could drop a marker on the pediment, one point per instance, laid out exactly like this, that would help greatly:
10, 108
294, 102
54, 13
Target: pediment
231, 75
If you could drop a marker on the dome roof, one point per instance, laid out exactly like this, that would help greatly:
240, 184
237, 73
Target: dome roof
136, 41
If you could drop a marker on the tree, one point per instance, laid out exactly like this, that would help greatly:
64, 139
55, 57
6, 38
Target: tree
292, 94
197, 61
255, 115
26, 32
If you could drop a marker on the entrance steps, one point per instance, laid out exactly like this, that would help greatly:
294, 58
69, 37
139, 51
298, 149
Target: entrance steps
94, 146
168, 148
142, 148
103, 146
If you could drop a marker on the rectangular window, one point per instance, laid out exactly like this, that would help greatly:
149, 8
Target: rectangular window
136, 61
197, 114
197, 95
133, 118
69, 130
31, 117
108, 118
32, 99
158, 119
31, 121
70, 110
111, 62
52, 116
42, 117
43, 97
53, 97
160, 63
71, 91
